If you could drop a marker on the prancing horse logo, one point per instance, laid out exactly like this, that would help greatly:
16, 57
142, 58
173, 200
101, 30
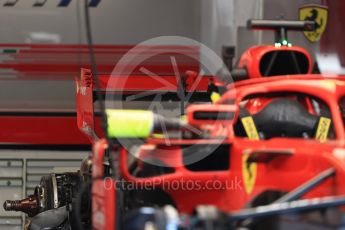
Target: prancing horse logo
319, 15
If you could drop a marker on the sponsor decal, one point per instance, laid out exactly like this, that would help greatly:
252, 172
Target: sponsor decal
323, 129
249, 171
250, 128
318, 14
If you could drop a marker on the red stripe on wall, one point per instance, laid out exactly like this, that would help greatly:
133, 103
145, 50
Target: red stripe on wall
52, 59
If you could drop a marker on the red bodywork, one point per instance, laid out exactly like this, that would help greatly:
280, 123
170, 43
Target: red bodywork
252, 57
251, 60
301, 160
306, 158
103, 191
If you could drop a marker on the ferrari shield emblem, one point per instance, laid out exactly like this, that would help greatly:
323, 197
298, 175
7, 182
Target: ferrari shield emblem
248, 173
319, 15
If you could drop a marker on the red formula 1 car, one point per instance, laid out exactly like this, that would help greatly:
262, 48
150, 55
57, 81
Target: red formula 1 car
283, 153
270, 145
266, 143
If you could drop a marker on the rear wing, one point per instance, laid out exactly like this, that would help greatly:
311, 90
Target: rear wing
191, 82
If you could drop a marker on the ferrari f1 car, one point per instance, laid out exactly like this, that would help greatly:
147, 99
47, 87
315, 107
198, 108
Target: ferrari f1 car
270, 145
289, 150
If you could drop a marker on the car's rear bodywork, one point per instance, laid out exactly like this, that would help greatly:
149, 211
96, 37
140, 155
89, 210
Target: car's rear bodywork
239, 171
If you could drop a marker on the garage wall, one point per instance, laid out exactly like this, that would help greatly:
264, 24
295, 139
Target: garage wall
116, 22
224, 22
113, 21
222, 18
213, 22
333, 41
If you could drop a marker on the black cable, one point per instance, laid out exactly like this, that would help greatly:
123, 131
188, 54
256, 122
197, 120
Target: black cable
97, 82
94, 68
102, 107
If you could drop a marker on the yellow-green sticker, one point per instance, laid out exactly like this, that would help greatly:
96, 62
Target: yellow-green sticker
250, 128
130, 123
323, 129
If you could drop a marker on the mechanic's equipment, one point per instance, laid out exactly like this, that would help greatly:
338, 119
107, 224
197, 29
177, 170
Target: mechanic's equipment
28, 205
139, 124
51, 219
55, 191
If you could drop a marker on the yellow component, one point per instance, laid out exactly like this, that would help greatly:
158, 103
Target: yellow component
215, 97
318, 14
250, 128
129, 123
323, 129
249, 172
158, 135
